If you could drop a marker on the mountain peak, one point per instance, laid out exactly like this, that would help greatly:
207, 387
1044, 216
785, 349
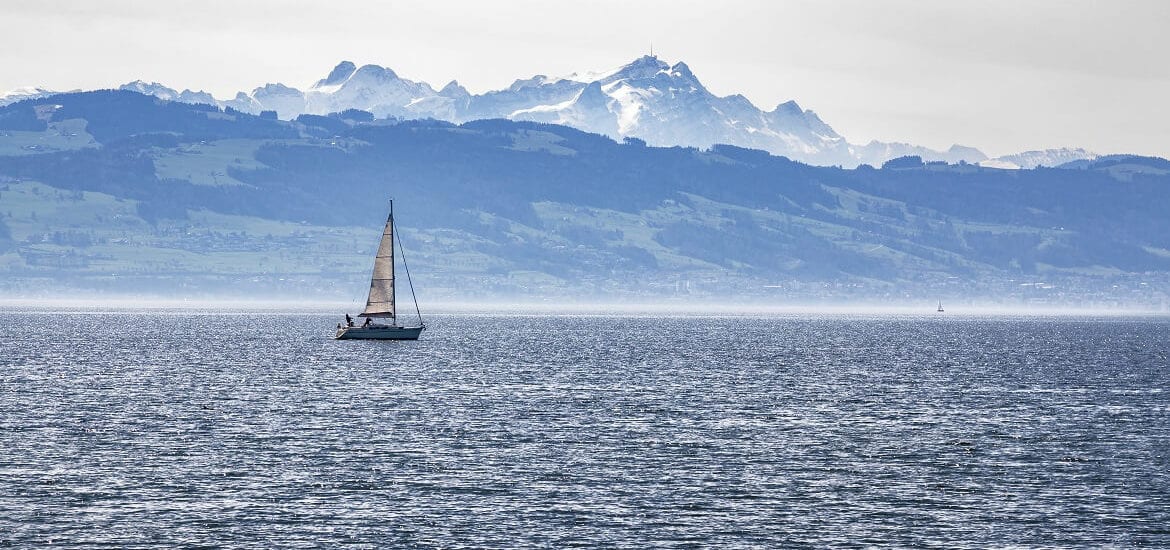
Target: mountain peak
739, 100
681, 69
520, 84
339, 74
274, 89
375, 72
140, 84
648, 62
966, 152
789, 107
592, 95
647, 98
27, 90
24, 92
151, 88
454, 89
641, 68
1046, 157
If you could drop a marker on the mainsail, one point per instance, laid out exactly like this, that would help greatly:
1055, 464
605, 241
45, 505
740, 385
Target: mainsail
381, 300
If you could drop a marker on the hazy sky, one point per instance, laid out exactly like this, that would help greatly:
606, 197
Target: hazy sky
1004, 76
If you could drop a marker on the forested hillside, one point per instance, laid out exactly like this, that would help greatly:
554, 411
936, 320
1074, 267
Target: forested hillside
119, 192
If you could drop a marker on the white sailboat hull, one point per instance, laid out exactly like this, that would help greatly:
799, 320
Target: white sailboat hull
379, 332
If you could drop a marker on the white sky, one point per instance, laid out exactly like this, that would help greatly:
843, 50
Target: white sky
1001, 75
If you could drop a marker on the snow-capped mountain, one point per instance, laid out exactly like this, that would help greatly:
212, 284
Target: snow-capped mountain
27, 92
663, 105
649, 99
169, 94
590, 110
1032, 159
875, 153
378, 90
287, 102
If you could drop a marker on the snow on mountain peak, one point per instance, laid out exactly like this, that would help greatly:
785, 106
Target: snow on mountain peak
648, 62
589, 110
339, 74
23, 93
593, 95
275, 89
374, 73
169, 94
520, 84
790, 108
454, 89
288, 102
1046, 157
647, 98
681, 70
26, 90
151, 88
642, 68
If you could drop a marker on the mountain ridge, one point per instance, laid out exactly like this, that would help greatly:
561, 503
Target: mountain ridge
649, 99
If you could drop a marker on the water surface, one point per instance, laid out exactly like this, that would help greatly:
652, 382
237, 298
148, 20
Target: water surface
178, 428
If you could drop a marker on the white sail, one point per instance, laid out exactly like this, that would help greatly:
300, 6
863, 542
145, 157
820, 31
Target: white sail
380, 303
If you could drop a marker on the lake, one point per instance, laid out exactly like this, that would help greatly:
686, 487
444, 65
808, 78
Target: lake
158, 427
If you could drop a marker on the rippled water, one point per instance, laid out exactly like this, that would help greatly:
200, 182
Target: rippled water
139, 428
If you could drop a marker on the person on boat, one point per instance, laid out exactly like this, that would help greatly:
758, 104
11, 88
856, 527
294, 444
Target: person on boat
348, 320
367, 323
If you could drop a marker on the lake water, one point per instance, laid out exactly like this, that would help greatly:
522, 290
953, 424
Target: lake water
176, 428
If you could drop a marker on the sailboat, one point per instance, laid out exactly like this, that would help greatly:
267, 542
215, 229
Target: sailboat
940, 309
380, 304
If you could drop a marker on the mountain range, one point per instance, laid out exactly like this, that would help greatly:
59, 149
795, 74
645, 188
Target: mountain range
647, 99
116, 191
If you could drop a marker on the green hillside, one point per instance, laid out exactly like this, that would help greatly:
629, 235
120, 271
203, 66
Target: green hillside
114, 192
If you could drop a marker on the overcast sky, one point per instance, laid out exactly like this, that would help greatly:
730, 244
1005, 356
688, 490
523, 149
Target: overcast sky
1005, 76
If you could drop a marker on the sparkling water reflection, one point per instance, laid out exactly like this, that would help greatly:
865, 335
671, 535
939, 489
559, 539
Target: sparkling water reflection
148, 428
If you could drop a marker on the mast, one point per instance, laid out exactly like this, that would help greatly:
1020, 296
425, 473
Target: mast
393, 290
380, 302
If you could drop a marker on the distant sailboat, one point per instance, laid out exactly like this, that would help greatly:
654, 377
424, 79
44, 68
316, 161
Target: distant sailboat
940, 309
380, 303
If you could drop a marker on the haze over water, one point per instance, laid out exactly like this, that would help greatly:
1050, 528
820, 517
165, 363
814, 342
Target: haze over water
166, 428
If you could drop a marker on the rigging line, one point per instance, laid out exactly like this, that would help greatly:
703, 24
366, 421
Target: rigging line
402, 250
